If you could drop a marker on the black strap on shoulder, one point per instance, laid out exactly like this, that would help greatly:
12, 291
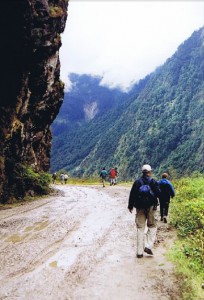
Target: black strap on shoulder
149, 180
141, 181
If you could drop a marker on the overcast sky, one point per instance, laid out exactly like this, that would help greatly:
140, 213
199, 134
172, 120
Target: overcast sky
125, 40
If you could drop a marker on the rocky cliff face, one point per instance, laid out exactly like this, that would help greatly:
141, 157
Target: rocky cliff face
31, 91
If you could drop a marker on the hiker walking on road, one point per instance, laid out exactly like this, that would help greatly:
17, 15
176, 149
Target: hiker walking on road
65, 178
112, 175
62, 178
143, 196
103, 176
54, 177
116, 175
167, 192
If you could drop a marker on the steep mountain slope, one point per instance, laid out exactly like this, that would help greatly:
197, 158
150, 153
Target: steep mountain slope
86, 100
163, 125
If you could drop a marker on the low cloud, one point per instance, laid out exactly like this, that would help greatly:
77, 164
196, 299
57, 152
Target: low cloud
123, 41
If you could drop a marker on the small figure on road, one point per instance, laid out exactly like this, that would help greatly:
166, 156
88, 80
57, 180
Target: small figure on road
54, 177
62, 178
116, 175
103, 176
143, 196
167, 192
112, 175
65, 178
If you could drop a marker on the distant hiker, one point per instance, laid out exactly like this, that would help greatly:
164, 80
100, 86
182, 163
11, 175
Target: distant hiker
103, 176
143, 196
65, 178
62, 178
112, 175
116, 175
167, 192
54, 177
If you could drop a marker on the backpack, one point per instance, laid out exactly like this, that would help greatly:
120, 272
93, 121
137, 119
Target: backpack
166, 188
103, 174
145, 193
112, 173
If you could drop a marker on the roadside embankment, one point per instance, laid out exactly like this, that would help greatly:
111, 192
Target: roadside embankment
187, 215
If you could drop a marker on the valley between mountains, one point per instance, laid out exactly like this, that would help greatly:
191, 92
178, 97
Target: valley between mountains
158, 122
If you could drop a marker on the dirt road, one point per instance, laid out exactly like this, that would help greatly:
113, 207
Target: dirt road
80, 245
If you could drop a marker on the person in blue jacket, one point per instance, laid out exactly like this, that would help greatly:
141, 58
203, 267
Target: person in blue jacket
167, 192
103, 175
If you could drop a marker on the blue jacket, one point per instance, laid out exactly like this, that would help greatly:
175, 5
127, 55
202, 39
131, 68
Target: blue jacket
103, 174
167, 190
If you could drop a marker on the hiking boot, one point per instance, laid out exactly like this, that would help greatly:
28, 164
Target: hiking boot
148, 251
162, 219
165, 219
139, 255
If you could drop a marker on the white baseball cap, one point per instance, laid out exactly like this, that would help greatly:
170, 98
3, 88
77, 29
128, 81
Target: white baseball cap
146, 168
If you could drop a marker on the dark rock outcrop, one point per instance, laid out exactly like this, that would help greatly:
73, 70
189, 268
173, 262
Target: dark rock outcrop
31, 91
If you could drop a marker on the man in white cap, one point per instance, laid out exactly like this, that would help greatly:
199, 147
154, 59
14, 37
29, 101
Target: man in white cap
143, 196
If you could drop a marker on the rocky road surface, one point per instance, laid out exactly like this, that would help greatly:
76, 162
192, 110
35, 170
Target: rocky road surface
81, 245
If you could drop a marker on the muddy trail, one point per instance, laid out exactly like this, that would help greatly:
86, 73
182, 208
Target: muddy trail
81, 245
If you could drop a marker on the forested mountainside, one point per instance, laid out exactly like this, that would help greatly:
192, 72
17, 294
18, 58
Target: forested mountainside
162, 125
86, 99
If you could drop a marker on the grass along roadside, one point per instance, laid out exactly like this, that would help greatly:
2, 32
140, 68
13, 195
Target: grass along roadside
92, 181
187, 215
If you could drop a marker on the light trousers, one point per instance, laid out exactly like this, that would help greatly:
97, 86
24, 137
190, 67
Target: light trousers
145, 239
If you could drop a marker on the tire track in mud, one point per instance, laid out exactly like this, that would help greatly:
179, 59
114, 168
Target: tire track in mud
86, 263
122, 276
17, 240
37, 206
46, 253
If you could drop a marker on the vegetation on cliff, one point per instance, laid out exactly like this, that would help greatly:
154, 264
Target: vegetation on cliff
25, 182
